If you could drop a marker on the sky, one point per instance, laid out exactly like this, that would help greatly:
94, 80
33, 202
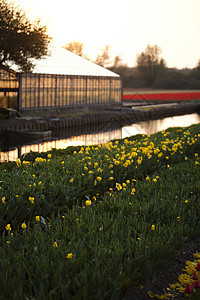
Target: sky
128, 26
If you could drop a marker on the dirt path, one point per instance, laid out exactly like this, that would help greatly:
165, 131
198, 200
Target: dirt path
158, 283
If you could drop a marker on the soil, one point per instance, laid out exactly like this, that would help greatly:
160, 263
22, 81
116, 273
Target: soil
160, 280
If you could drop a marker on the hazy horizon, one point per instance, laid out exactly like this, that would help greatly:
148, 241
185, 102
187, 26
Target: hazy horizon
128, 26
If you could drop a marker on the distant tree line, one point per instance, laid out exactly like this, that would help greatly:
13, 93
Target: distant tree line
150, 71
171, 78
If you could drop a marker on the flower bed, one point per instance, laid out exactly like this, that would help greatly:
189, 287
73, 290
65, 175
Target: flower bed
88, 222
162, 96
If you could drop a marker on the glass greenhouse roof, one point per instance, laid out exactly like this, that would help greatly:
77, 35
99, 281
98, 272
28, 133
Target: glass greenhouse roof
64, 62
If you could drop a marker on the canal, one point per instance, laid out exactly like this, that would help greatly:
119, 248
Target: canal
97, 135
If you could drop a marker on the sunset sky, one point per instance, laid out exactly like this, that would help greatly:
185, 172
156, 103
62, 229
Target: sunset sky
128, 26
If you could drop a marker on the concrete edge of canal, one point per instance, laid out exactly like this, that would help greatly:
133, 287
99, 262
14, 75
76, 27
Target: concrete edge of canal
124, 116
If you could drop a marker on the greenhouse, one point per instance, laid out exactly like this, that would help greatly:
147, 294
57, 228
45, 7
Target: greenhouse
62, 80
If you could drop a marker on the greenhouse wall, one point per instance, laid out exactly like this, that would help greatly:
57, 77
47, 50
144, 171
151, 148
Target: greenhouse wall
9, 88
40, 91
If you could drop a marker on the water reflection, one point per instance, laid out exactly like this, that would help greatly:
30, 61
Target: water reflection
84, 139
147, 127
153, 126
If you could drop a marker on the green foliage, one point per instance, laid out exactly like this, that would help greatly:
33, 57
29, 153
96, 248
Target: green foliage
21, 41
150, 65
83, 235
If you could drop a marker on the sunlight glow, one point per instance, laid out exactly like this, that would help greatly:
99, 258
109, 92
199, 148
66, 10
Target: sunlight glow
128, 26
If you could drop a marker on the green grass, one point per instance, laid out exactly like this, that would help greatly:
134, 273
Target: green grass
110, 215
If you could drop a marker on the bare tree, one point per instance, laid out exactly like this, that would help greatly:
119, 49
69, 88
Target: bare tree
75, 47
103, 59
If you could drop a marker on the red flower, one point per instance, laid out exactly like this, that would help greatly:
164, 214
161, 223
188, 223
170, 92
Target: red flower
196, 284
188, 289
195, 276
198, 267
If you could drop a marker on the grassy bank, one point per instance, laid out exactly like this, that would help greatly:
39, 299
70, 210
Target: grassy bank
88, 222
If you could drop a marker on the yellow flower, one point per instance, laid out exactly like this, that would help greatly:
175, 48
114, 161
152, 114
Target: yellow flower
49, 155
186, 201
99, 178
196, 163
196, 255
18, 162
94, 198
26, 162
132, 191
127, 181
3, 199
111, 178
139, 161
118, 186
62, 162
156, 151
33, 175
186, 158
55, 244
69, 256
23, 226
8, 227
71, 180
40, 182
153, 227
31, 199
150, 294
37, 218
39, 159
147, 178
88, 202
178, 218
154, 180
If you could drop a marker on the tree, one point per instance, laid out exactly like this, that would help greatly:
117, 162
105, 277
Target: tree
20, 40
103, 59
195, 73
75, 47
117, 61
150, 65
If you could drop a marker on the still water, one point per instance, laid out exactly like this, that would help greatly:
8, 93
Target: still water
103, 135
